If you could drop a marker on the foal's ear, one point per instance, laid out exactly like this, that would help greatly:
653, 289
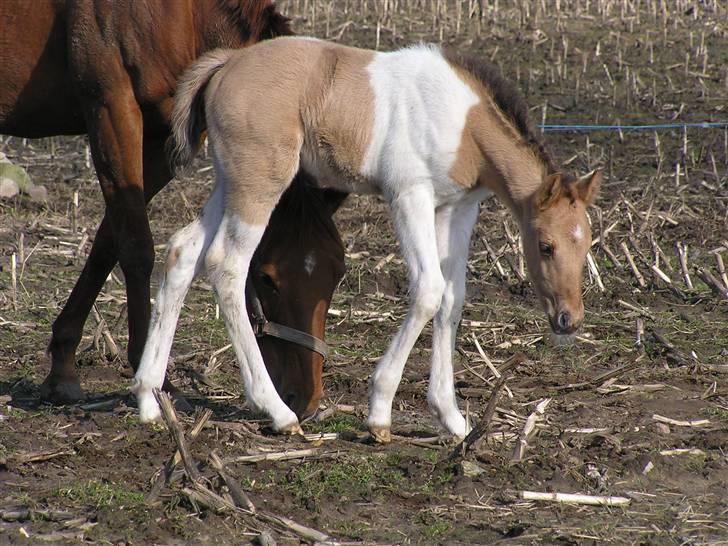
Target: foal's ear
549, 192
587, 187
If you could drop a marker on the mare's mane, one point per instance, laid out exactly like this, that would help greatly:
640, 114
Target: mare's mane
256, 18
304, 208
509, 100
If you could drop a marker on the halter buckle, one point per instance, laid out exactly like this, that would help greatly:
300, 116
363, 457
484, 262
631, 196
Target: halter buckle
258, 324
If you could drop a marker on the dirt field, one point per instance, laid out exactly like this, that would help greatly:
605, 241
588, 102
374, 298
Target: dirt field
655, 432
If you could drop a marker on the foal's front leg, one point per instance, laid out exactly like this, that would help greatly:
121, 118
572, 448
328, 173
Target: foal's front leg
414, 220
228, 262
454, 228
185, 258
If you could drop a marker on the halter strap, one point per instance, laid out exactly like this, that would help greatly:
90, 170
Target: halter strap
263, 327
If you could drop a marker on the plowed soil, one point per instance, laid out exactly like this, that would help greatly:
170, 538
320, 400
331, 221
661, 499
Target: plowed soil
655, 433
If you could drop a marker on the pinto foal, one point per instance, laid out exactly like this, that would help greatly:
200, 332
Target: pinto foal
431, 132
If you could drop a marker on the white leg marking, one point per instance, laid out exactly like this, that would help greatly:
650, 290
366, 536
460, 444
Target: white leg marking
454, 227
228, 261
185, 252
414, 219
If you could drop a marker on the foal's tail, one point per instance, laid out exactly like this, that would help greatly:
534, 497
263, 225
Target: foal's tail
188, 113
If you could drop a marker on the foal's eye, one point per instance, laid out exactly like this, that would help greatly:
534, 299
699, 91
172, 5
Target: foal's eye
546, 249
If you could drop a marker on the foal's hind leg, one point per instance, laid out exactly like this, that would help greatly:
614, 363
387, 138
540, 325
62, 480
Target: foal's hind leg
185, 257
414, 220
454, 227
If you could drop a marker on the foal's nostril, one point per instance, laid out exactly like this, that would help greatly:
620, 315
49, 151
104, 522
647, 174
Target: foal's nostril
564, 320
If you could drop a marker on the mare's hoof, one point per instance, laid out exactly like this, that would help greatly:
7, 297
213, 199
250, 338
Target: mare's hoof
61, 393
381, 435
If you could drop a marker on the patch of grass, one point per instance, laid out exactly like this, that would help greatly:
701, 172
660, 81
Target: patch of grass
42, 413
433, 526
101, 495
353, 529
435, 482
130, 419
696, 463
15, 413
717, 413
431, 456
339, 422
344, 479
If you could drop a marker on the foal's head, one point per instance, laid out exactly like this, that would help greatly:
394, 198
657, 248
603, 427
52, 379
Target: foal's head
556, 241
296, 268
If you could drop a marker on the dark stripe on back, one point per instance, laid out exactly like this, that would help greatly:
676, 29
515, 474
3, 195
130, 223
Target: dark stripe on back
508, 99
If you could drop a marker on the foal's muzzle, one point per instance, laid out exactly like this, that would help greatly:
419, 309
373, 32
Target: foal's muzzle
564, 323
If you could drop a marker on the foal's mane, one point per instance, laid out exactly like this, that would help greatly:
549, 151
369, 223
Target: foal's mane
508, 99
256, 18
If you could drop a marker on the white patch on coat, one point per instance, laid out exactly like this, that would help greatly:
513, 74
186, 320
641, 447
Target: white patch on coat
578, 233
416, 134
309, 263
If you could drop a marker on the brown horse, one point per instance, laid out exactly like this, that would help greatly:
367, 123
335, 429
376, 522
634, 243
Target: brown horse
109, 69
432, 132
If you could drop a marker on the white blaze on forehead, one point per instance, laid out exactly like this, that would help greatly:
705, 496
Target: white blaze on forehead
309, 263
578, 233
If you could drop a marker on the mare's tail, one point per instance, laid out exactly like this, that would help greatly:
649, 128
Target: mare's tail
188, 113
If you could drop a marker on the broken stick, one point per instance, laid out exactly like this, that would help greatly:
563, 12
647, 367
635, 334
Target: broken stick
239, 496
480, 431
178, 435
166, 475
575, 498
537, 415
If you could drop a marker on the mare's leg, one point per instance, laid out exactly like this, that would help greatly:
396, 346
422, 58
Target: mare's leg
62, 384
454, 227
185, 259
414, 220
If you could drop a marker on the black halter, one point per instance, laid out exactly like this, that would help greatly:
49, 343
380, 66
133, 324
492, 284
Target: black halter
263, 327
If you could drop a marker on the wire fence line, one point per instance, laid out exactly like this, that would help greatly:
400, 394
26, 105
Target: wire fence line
648, 127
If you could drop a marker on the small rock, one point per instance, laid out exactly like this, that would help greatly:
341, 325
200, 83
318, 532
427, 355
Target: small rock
265, 539
8, 188
471, 470
38, 194
662, 428
16, 174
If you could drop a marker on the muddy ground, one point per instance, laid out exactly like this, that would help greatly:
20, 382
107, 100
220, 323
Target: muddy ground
83, 473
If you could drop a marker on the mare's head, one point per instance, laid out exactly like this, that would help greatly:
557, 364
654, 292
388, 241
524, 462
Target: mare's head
238, 23
556, 240
296, 268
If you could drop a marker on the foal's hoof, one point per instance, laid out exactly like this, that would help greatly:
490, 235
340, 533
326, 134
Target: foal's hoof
60, 393
294, 429
381, 435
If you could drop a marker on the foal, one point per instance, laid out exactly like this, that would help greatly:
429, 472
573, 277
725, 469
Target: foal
431, 132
